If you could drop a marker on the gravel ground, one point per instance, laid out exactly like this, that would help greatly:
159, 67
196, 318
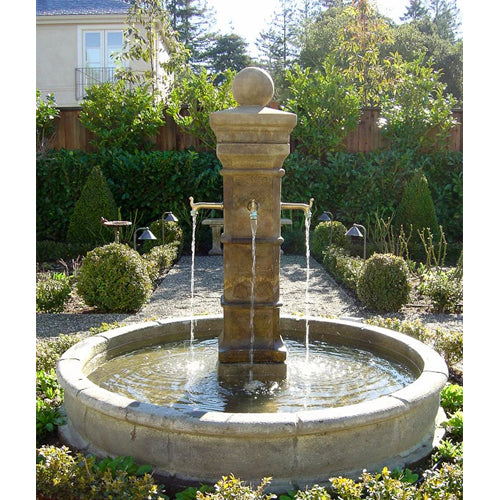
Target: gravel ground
173, 298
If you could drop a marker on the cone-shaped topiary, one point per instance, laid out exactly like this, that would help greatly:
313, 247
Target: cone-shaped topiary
114, 278
383, 284
416, 209
96, 201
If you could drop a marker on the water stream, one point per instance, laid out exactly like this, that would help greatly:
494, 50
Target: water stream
308, 253
253, 226
194, 213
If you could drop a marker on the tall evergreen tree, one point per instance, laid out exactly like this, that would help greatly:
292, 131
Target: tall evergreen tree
279, 43
193, 21
415, 11
227, 52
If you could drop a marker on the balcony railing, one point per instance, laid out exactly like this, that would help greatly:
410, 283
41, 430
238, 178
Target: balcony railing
86, 77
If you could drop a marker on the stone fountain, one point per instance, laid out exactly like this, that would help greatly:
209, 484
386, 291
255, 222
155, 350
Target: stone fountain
297, 448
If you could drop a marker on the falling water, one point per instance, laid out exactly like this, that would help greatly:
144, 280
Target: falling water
307, 227
194, 213
253, 226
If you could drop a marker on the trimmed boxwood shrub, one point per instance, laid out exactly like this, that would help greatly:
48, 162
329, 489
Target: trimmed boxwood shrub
343, 267
173, 234
52, 292
383, 284
320, 238
114, 278
160, 259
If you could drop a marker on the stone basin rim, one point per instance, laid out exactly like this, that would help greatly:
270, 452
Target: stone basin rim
71, 374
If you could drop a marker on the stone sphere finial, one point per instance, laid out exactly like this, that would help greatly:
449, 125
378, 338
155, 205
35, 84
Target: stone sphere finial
253, 87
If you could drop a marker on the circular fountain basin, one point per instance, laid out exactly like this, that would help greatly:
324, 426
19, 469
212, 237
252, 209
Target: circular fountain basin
297, 448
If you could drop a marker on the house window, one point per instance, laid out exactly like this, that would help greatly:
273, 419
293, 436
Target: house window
98, 48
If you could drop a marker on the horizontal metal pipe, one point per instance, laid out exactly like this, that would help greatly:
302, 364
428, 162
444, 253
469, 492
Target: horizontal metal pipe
208, 205
298, 206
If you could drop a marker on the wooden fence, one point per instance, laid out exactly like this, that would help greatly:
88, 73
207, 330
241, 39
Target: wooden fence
70, 134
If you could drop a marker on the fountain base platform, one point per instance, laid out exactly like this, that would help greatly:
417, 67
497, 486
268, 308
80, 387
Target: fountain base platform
297, 449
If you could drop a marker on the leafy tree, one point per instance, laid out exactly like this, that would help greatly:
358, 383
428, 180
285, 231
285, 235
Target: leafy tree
278, 43
416, 113
46, 114
121, 118
149, 37
327, 108
195, 97
319, 38
227, 52
445, 16
360, 44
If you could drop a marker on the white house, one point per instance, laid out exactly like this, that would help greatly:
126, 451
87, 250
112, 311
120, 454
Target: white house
74, 43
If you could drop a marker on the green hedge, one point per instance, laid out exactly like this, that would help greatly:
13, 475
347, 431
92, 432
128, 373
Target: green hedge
147, 183
353, 186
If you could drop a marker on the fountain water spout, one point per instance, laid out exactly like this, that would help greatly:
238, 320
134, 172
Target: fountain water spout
202, 204
299, 206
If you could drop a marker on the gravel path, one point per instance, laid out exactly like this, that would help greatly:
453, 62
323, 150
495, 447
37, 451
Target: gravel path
173, 298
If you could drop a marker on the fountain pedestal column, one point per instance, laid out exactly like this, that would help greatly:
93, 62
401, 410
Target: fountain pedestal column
252, 143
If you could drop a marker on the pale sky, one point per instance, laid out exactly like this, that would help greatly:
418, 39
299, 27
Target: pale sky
248, 18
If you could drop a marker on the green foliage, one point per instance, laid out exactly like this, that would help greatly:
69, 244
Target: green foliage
46, 114
344, 268
171, 231
361, 35
194, 97
294, 241
416, 113
114, 278
327, 108
150, 37
452, 398
313, 493
325, 234
444, 288
448, 344
448, 451
60, 474
60, 177
352, 186
455, 426
346, 488
53, 290
48, 351
416, 212
96, 201
446, 482
160, 259
383, 283
52, 251
121, 118
230, 488
49, 396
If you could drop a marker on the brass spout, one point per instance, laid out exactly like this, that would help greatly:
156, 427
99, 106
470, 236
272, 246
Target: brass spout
207, 205
253, 206
298, 206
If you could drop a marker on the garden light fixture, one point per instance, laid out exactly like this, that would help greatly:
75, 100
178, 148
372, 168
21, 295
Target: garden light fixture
354, 231
146, 235
166, 217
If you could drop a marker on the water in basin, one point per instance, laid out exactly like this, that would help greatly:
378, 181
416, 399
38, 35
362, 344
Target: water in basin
183, 376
